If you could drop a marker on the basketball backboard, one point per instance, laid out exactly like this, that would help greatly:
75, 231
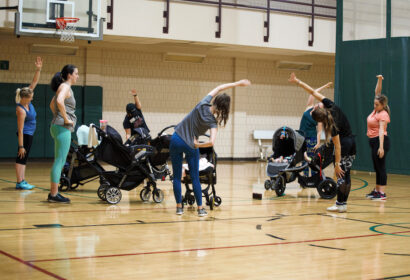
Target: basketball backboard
38, 18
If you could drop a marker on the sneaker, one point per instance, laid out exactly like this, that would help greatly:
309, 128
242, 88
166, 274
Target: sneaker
341, 208
371, 194
23, 185
25, 182
202, 212
58, 198
379, 196
180, 211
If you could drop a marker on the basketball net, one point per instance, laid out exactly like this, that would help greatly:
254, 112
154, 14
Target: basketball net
67, 27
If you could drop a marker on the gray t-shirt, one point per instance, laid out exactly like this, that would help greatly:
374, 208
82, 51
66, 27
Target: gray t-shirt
70, 111
197, 122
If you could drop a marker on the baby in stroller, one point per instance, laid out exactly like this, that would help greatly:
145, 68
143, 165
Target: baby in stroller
289, 147
207, 176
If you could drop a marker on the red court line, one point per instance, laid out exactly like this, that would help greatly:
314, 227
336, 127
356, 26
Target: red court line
215, 248
32, 265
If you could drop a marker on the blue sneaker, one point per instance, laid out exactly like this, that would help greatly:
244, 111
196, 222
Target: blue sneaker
23, 185
25, 182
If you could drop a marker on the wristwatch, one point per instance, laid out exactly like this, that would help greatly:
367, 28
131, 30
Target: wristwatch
337, 163
21, 147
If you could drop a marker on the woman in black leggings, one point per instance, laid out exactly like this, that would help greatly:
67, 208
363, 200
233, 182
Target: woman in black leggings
337, 127
378, 140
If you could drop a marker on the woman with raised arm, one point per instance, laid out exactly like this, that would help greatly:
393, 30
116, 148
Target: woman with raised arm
204, 116
312, 129
378, 140
64, 120
134, 118
337, 127
26, 126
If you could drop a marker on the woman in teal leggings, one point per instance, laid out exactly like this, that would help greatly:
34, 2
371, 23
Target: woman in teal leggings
64, 120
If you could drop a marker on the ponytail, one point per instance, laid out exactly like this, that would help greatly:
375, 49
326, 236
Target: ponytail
325, 117
384, 102
62, 76
23, 93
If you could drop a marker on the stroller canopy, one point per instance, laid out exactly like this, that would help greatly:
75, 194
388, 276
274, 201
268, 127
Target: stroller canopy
291, 135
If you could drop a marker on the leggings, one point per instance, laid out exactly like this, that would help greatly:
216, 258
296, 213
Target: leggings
380, 163
348, 147
177, 148
62, 140
27, 141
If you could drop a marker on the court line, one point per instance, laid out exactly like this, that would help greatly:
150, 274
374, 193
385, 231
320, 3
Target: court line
364, 221
32, 265
211, 248
313, 245
393, 277
394, 254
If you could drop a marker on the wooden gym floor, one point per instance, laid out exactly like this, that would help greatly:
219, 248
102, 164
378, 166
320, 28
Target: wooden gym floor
289, 237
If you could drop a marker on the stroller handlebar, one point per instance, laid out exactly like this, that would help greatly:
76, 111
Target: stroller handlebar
168, 127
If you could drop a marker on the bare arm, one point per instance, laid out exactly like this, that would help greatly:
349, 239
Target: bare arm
241, 83
378, 89
136, 99
319, 129
338, 156
380, 152
52, 106
211, 141
127, 133
21, 116
311, 99
62, 94
306, 87
36, 78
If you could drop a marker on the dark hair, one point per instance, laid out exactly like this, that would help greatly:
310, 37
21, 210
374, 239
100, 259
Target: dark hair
62, 76
383, 101
325, 117
130, 108
222, 104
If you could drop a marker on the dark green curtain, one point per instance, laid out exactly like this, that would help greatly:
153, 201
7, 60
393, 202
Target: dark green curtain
357, 64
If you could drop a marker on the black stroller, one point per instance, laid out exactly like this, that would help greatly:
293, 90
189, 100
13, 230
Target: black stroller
291, 145
80, 168
133, 165
207, 177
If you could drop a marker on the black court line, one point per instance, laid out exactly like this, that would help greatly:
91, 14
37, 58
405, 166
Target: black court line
363, 221
49, 226
394, 254
313, 245
273, 236
393, 277
139, 222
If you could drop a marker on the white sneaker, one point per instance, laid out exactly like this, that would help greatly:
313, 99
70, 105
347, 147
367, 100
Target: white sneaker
337, 208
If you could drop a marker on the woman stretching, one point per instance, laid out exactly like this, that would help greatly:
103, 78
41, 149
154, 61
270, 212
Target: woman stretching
204, 116
26, 126
64, 120
378, 140
337, 127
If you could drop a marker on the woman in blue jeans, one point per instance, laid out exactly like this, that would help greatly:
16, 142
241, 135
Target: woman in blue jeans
204, 116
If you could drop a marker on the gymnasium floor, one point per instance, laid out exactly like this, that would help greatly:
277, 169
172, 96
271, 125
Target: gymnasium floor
289, 237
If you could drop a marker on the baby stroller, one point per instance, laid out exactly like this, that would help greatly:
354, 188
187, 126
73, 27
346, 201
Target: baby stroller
80, 168
207, 177
133, 167
290, 145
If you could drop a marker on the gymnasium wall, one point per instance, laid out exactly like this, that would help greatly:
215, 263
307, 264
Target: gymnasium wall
169, 90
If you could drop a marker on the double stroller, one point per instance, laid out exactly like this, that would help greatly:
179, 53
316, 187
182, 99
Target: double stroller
287, 163
134, 164
207, 177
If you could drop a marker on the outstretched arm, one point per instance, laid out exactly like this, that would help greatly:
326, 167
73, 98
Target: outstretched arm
241, 83
378, 89
309, 89
36, 78
136, 99
311, 99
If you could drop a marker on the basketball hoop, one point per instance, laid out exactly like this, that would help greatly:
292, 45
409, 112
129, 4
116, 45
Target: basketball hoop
67, 27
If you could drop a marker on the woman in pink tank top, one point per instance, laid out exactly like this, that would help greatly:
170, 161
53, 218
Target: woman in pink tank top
378, 140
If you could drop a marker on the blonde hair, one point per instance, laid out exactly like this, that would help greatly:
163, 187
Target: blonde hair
383, 101
23, 93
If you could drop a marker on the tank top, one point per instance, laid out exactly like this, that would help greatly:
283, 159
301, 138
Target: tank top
69, 104
308, 124
30, 120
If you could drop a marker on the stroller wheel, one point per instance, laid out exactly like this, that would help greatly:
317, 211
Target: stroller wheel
327, 189
211, 202
268, 184
101, 192
190, 199
113, 195
158, 195
73, 187
65, 184
145, 194
218, 201
280, 186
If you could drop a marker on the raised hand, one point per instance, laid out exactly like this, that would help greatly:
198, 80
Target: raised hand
39, 63
292, 78
244, 83
380, 77
133, 92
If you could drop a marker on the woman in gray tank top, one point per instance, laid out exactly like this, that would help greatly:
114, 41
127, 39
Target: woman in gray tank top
64, 120
204, 116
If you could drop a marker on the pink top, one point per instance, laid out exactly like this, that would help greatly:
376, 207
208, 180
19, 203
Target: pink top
373, 123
